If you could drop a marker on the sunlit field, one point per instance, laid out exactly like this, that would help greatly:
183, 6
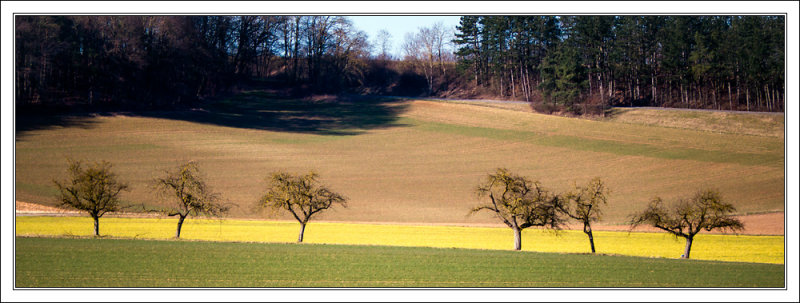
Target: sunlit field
761, 249
411, 161
335, 164
760, 124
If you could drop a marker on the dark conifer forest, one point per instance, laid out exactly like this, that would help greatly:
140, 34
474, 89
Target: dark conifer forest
558, 63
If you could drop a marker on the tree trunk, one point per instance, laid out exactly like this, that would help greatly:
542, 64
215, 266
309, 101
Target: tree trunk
180, 224
96, 226
588, 230
669, 91
513, 86
476, 74
500, 88
302, 230
523, 82
766, 98
758, 104
747, 97
714, 94
653, 94
295, 56
737, 91
517, 238
688, 248
730, 99
600, 84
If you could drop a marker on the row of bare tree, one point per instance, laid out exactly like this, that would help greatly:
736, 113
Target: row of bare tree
516, 200
521, 203
95, 189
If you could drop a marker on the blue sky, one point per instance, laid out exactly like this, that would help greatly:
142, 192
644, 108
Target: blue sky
398, 26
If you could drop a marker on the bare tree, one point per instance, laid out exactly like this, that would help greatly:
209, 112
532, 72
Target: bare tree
350, 50
191, 194
519, 202
384, 42
301, 195
583, 204
93, 189
686, 218
426, 50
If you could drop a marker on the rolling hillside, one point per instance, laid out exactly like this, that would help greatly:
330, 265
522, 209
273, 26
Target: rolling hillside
411, 161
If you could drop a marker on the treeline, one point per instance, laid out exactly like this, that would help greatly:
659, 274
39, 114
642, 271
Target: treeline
573, 63
719, 62
151, 61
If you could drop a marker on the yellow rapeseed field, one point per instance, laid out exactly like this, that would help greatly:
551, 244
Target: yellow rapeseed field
760, 249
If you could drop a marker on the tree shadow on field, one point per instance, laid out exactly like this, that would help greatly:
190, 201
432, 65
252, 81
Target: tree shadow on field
25, 122
268, 110
262, 109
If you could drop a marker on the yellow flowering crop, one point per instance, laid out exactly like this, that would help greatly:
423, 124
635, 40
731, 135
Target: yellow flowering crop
760, 249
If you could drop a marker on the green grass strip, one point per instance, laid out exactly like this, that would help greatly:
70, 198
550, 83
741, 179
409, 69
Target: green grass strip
603, 146
60, 262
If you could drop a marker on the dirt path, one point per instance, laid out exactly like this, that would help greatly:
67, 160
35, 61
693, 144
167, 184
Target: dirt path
33, 208
758, 224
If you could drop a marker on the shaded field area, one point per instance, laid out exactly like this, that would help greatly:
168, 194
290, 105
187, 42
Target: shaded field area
407, 161
742, 248
265, 109
53, 262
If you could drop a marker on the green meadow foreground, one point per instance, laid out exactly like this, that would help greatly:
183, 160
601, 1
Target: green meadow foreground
742, 248
59, 262
414, 161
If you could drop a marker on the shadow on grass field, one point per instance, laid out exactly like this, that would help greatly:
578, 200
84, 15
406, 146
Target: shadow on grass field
27, 122
257, 109
323, 115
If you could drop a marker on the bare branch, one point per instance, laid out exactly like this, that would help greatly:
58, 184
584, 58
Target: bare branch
191, 194
93, 189
518, 202
686, 218
300, 195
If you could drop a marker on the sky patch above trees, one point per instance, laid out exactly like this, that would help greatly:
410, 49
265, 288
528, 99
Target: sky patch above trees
398, 27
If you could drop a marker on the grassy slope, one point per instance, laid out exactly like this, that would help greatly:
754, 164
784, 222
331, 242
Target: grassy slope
761, 249
416, 162
770, 125
42, 262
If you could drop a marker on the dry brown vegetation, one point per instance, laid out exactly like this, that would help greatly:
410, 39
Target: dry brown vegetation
419, 164
770, 125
